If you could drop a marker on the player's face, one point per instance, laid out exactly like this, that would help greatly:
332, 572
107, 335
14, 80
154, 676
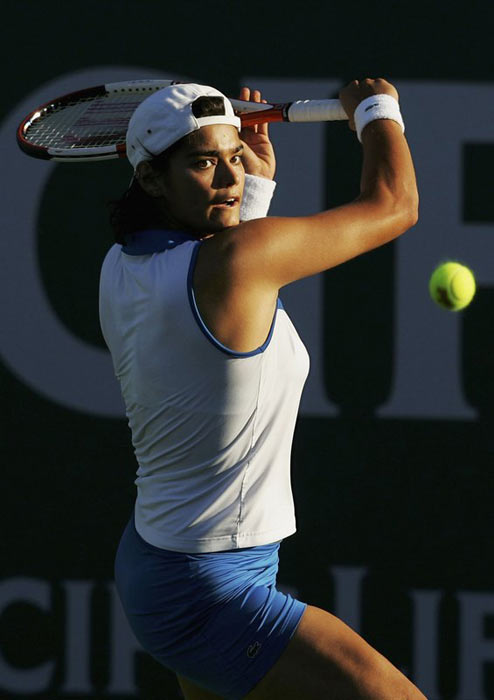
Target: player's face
204, 181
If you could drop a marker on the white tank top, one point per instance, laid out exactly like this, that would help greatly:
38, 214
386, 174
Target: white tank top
211, 428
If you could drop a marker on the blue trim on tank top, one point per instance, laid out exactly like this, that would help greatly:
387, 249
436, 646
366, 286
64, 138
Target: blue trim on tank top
151, 241
154, 241
205, 329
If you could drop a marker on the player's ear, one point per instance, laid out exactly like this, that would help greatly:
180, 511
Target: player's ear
149, 179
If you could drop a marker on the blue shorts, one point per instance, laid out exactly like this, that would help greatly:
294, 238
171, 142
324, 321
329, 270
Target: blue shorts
214, 618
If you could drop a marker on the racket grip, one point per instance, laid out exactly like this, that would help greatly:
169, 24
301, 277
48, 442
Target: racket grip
316, 111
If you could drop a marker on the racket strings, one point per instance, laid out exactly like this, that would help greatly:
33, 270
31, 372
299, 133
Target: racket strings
83, 122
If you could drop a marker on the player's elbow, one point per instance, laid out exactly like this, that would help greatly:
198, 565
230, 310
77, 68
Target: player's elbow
396, 203
408, 199
402, 207
410, 211
410, 196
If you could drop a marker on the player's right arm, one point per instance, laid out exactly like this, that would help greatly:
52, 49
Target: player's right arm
277, 251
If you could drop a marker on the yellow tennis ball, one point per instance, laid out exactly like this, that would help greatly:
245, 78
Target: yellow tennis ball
452, 286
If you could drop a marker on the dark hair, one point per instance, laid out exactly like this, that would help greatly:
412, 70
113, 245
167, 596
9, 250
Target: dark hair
208, 106
136, 210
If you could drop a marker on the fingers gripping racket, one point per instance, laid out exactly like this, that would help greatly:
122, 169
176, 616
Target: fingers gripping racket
91, 124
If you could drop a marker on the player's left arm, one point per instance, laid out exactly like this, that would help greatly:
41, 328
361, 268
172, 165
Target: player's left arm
259, 164
258, 155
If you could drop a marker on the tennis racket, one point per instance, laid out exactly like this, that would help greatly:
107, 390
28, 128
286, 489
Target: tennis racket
91, 124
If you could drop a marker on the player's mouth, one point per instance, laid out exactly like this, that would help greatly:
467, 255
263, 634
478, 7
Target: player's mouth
229, 203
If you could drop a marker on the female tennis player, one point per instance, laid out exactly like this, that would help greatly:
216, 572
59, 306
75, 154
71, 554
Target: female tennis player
211, 371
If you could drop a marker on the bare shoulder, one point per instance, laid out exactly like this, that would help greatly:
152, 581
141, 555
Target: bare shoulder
236, 308
229, 252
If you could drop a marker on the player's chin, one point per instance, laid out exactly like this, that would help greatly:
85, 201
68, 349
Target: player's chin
224, 217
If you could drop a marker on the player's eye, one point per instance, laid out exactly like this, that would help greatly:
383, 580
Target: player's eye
204, 163
237, 159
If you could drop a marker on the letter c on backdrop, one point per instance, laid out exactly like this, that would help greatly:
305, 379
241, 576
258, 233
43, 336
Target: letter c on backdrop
34, 344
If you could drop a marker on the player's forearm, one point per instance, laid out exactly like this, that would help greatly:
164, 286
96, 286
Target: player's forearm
388, 176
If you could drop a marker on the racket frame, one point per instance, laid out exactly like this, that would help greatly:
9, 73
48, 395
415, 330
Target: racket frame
250, 113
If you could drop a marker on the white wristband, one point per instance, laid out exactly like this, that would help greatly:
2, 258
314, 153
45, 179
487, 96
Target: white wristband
258, 192
377, 107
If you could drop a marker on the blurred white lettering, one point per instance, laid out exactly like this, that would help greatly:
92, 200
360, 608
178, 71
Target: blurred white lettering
426, 641
475, 649
77, 636
348, 594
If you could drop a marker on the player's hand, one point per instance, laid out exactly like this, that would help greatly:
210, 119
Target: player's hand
258, 156
356, 91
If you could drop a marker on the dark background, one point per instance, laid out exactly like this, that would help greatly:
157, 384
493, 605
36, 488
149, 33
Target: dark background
411, 500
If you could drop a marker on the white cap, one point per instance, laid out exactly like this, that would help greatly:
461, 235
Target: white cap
166, 116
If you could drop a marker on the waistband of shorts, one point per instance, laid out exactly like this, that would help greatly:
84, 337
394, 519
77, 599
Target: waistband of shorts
263, 550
